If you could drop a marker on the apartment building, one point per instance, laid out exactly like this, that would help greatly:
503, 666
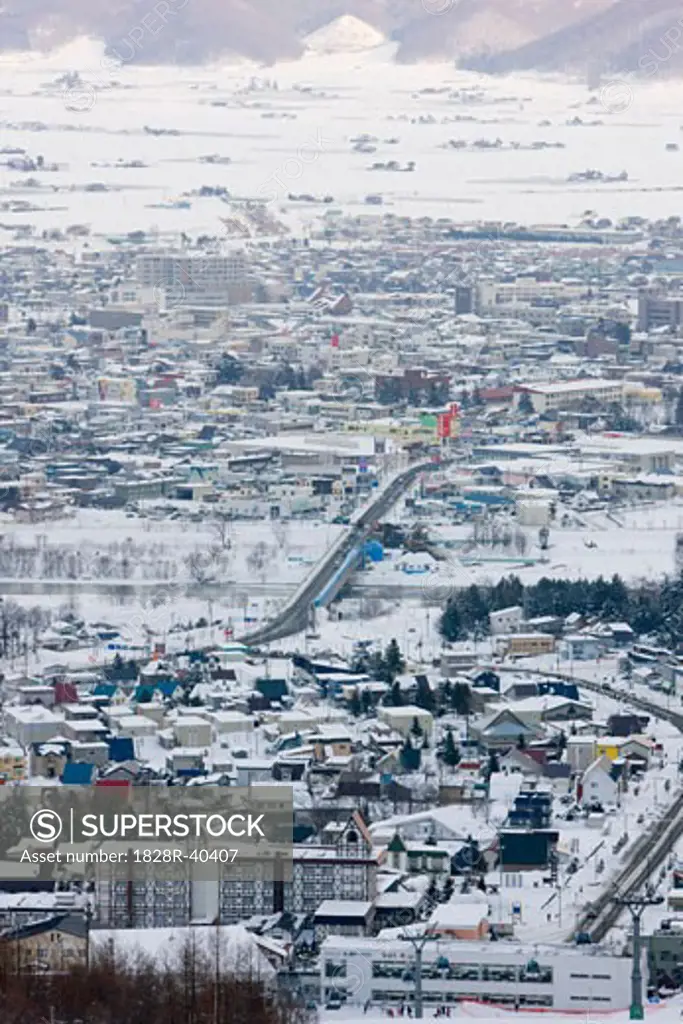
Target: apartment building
657, 310
498, 296
347, 865
187, 279
569, 394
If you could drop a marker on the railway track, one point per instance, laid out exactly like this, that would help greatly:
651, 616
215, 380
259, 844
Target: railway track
294, 616
651, 849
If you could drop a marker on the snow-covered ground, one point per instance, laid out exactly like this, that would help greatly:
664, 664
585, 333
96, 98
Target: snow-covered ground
161, 547
320, 105
638, 543
663, 1013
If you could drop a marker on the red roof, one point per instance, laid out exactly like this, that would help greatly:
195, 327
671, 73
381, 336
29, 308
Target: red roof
497, 394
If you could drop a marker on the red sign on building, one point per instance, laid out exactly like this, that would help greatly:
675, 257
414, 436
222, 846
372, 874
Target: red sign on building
443, 425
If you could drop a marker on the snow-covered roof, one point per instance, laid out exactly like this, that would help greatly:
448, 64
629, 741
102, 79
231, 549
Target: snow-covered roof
344, 908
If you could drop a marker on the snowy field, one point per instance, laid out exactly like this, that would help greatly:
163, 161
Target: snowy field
147, 576
298, 140
162, 549
638, 543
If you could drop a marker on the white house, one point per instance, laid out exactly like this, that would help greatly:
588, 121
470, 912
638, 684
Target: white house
192, 731
402, 718
580, 752
506, 620
598, 783
228, 723
32, 724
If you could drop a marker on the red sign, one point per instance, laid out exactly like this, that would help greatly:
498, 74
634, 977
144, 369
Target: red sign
443, 425
335, 341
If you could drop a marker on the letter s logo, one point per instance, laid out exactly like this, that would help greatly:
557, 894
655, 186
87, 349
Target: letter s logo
46, 826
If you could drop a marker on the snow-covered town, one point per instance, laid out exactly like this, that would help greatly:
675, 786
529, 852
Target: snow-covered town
347, 500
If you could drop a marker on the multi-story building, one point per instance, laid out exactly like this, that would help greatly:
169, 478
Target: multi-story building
495, 297
186, 279
656, 310
562, 977
346, 868
571, 393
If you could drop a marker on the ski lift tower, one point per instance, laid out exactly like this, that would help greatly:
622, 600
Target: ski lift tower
636, 906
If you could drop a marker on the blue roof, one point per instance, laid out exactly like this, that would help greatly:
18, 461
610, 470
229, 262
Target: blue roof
143, 694
104, 690
121, 749
168, 687
79, 774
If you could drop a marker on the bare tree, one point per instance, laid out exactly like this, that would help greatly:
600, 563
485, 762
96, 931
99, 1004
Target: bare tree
221, 527
280, 530
200, 564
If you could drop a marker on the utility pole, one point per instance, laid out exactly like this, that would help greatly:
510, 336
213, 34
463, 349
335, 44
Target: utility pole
88, 922
636, 906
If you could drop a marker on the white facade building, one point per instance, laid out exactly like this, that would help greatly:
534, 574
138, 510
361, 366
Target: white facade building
570, 393
32, 724
561, 977
211, 279
506, 620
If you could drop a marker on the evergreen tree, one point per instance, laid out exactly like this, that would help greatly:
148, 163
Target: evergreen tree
394, 662
410, 756
355, 706
474, 608
366, 701
395, 695
525, 405
416, 729
424, 697
451, 625
462, 699
450, 754
493, 764
229, 370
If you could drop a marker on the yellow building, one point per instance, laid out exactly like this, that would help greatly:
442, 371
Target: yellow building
117, 389
12, 764
50, 946
642, 393
609, 746
528, 645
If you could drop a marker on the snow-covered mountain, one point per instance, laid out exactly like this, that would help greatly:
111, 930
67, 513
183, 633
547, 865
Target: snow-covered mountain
493, 35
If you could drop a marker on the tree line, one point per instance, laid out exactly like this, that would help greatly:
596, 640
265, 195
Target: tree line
653, 607
139, 989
